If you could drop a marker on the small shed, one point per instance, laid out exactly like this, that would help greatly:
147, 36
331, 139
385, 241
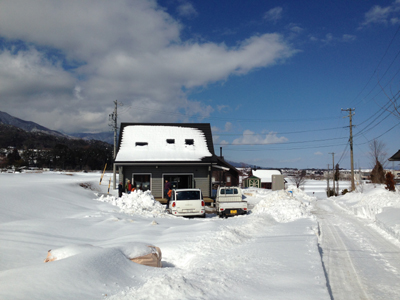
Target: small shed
252, 181
265, 176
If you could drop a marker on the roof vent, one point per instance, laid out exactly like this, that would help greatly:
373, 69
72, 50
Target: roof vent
189, 142
139, 144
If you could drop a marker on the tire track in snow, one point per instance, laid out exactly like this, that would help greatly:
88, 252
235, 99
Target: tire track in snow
358, 260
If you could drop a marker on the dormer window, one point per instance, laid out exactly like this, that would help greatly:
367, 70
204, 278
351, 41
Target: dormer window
140, 144
170, 141
189, 142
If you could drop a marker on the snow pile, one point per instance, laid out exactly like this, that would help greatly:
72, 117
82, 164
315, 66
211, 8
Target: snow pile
375, 203
370, 202
284, 206
137, 202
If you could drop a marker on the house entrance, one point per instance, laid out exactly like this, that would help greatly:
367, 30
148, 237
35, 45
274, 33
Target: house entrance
180, 181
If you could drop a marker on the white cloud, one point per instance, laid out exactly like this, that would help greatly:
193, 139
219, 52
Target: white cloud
318, 153
186, 9
228, 126
250, 138
126, 50
381, 15
348, 37
274, 14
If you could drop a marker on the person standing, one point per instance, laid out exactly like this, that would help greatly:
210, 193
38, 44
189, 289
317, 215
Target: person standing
167, 187
120, 189
128, 187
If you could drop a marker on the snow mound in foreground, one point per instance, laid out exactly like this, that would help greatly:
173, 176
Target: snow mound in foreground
130, 250
284, 206
137, 202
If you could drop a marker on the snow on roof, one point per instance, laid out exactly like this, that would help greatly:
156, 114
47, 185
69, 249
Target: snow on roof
265, 175
162, 143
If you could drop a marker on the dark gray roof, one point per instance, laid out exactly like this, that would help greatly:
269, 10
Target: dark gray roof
395, 157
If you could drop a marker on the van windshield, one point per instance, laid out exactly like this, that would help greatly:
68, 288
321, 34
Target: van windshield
188, 195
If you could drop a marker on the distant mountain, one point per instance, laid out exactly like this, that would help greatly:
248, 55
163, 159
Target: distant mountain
28, 126
107, 137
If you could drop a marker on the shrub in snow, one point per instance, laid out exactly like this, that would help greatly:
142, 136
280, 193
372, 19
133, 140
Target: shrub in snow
390, 182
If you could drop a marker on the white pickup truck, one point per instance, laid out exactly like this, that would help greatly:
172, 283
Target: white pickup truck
229, 202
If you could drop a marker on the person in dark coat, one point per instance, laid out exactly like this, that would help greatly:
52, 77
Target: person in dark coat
167, 187
120, 189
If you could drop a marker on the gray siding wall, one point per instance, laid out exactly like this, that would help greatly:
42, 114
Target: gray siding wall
200, 174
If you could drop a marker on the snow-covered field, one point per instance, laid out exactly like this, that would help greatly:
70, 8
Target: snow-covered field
272, 253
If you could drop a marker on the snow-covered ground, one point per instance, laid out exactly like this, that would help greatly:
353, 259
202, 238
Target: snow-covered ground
272, 253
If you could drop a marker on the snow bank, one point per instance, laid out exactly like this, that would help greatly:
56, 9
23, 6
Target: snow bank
137, 202
285, 205
375, 203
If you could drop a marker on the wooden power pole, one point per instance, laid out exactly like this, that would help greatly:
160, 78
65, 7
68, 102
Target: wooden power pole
333, 170
351, 114
114, 125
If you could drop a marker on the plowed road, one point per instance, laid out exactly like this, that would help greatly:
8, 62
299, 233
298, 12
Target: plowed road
360, 262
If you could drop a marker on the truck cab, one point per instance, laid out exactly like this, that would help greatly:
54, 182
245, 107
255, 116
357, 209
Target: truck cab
229, 202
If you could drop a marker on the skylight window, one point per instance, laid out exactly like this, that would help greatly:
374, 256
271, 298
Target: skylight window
189, 142
170, 141
141, 144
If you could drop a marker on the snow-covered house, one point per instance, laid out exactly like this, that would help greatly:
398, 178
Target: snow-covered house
266, 177
182, 153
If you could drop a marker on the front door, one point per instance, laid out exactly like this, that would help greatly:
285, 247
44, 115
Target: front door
180, 181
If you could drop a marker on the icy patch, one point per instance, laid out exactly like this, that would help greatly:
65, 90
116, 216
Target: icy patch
137, 202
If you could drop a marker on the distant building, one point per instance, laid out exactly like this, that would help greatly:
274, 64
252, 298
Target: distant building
265, 177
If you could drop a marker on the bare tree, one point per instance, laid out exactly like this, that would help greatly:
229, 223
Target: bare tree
300, 178
379, 159
378, 153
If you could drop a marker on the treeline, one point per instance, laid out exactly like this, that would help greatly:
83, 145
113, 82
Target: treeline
36, 149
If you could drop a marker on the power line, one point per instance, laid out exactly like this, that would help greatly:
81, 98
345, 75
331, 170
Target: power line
387, 49
287, 132
279, 143
263, 120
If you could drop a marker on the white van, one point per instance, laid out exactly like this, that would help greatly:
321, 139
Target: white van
187, 203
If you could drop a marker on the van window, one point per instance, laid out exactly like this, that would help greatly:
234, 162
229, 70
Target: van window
188, 195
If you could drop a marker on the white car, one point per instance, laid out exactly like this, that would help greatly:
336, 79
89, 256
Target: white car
187, 203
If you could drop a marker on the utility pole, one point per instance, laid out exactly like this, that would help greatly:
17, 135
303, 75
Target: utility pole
333, 170
327, 183
113, 123
351, 114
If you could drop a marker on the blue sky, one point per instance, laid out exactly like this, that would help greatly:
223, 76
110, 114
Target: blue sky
271, 77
